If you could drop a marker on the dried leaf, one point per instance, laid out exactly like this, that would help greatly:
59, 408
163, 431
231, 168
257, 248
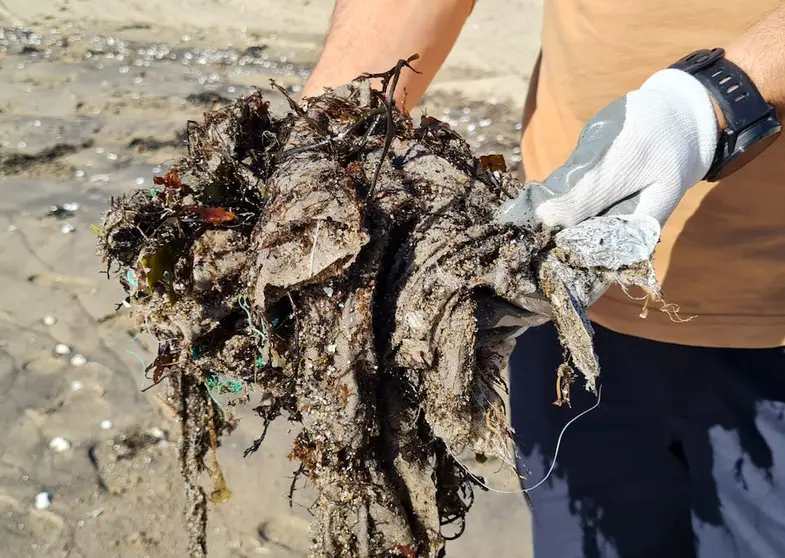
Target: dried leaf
163, 360
214, 215
494, 162
170, 180
405, 551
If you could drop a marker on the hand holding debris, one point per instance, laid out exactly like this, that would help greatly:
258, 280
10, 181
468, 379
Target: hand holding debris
341, 267
637, 156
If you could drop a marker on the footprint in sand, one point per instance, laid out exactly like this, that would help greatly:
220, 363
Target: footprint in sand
287, 531
63, 282
136, 461
118, 321
45, 365
25, 528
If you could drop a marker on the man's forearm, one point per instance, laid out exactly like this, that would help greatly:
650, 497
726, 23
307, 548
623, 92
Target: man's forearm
760, 52
372, 35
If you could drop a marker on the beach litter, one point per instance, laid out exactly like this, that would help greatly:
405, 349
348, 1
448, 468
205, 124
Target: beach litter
78, 360
59, 444
339, 266
43, 501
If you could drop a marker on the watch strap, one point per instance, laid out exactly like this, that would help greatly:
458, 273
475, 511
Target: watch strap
739, 100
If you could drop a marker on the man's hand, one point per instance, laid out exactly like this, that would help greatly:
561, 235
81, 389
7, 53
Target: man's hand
641, 153
634, 159
637, 156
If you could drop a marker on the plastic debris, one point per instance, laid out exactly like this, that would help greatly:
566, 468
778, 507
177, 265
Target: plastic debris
59, 444
43, 500
157, 432
78, 360
60, 212
354, 277
131, 278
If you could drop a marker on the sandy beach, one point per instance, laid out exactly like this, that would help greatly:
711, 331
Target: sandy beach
94, 102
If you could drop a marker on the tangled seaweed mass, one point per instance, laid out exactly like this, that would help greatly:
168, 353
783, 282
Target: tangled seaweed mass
341, 267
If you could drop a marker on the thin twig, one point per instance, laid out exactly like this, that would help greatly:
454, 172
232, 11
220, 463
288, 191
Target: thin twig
391, 78
313, 248
364, 140
281, 155
292, 487
299, 110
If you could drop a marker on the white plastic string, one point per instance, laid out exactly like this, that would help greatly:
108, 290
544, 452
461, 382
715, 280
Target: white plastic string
555, 454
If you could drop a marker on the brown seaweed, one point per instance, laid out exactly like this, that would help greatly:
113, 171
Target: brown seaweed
333, 265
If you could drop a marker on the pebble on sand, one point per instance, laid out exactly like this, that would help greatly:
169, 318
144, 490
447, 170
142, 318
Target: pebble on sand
62, 349
59, 444
43, 500
49, 320
78, 360
157, 432
76, 385
106, 424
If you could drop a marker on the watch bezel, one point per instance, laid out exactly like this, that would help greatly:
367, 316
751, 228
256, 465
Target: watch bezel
750, 142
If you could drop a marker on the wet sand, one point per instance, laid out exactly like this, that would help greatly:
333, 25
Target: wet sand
90, 106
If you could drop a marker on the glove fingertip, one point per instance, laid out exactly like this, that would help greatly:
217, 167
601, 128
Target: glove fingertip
552, 214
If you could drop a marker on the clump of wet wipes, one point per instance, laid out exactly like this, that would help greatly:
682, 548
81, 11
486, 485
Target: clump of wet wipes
340, 267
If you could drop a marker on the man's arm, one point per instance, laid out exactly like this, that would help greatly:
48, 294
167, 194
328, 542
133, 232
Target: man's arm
641, 153
372, 35
760, 52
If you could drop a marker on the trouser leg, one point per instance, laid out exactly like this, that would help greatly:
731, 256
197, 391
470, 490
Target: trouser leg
618, 488
732, 422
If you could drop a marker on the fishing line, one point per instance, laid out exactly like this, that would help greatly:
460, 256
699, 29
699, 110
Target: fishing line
555, 455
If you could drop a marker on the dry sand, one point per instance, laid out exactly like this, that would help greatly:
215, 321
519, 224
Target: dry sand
91, 104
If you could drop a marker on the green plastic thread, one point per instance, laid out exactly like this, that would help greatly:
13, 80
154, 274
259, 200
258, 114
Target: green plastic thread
131, 278
242, 300
231, 386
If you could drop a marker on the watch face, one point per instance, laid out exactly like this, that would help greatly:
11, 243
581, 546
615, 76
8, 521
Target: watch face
744, 155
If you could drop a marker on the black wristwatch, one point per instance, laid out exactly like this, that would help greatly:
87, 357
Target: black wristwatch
752, 123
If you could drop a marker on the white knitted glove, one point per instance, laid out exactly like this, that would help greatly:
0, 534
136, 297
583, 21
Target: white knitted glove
637, 156
634, 160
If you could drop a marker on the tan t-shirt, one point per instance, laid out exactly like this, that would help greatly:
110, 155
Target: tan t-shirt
721, 259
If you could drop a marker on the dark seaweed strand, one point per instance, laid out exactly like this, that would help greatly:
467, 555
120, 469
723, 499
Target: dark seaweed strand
391, 77
193, 402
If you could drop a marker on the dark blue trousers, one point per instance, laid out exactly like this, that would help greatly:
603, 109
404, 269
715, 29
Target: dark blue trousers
683, 458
